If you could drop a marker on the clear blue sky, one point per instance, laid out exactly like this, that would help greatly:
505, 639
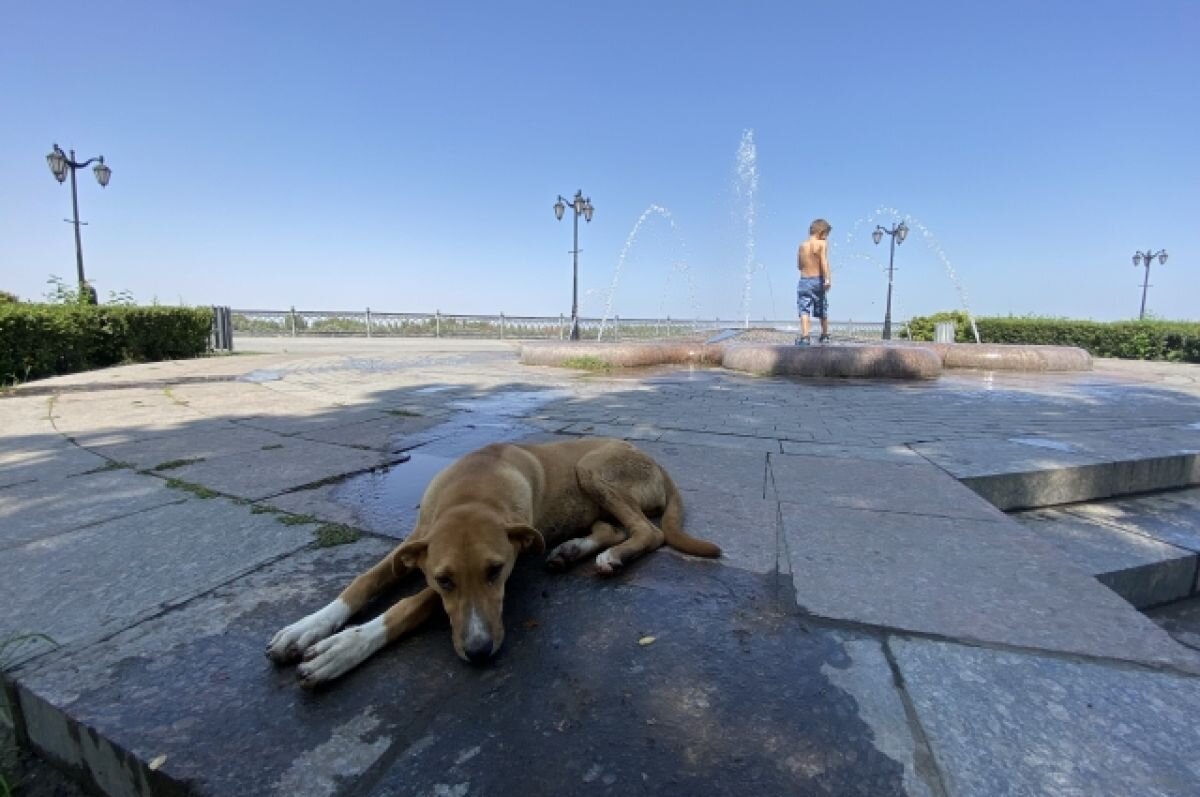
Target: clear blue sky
406, 156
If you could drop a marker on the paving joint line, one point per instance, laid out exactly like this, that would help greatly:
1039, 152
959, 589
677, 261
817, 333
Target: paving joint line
94, 523
1075, 657
70, 649
925, 763
782, 549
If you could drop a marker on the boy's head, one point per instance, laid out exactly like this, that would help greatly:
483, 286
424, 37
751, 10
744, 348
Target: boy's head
820, 228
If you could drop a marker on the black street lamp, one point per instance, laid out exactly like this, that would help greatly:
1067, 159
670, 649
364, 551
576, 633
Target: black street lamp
60, 163
582, 207
898, 232
1147, 256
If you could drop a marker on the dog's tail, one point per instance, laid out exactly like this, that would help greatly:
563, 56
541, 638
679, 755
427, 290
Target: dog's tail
672, 526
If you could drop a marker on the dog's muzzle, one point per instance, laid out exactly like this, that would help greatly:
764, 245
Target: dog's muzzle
477, 642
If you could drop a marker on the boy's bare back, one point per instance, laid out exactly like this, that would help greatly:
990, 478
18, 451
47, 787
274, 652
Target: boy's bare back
811, 259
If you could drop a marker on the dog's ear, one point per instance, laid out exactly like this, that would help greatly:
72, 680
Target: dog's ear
526, 538
408, 556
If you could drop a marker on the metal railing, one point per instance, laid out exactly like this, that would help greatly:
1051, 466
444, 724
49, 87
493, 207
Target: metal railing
369, 323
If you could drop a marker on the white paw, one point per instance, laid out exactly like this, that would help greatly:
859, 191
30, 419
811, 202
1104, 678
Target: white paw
341, 652
570, 551
607, 564
288, 643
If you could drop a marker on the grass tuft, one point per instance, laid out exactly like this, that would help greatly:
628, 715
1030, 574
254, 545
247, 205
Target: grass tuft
171, 464
198, 490
587, 363
331, 534
288, 519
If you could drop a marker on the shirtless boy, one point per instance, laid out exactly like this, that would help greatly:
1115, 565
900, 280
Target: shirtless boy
813, 262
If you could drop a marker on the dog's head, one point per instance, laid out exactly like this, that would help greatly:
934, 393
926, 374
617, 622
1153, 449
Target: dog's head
467, 558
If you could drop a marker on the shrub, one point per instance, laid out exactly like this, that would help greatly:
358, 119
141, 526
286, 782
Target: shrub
1133, 340
39, 340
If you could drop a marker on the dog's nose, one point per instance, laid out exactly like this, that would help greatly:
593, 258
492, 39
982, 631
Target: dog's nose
478, 650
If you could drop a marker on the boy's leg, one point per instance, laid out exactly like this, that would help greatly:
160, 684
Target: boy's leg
804, 306
823, 310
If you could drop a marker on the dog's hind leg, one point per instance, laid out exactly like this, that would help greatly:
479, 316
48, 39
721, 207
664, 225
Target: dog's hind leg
346, 649
604, 535
622, 485
290, 642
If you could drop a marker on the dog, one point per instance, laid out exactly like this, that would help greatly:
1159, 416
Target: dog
579, 496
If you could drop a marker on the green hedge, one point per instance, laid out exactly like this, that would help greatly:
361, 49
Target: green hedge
1131, 340
39, 340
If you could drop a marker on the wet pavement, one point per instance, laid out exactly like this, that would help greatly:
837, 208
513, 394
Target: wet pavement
874, 627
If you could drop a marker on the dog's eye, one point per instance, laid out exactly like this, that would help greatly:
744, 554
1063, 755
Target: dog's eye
493, 573
446, 583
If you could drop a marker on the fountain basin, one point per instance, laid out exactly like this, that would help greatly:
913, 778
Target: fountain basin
1011, 357
868, 361
877, 362
854, 361
619, 354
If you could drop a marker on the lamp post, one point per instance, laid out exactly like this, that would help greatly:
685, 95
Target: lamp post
60, 163
898, 233
1140, 257
582, 207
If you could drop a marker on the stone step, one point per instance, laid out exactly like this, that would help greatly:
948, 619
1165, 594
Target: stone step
1144, 548
1040, 470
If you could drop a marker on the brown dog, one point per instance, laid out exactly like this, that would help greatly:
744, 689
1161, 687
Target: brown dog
475, 517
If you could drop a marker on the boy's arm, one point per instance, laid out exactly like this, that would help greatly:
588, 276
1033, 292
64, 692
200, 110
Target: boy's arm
825, 275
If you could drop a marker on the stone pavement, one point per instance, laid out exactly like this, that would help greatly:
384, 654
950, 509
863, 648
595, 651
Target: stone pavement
875, 626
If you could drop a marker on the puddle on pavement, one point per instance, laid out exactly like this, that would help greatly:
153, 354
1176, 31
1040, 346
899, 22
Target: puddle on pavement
261, 376
386, 501
1041, 442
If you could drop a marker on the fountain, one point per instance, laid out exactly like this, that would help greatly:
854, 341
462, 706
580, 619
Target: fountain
746, 188
652, 210
892, 214
891, 360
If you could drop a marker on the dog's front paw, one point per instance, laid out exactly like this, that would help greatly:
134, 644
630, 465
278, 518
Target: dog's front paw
340, 653
288, 643
607, 564
568, 553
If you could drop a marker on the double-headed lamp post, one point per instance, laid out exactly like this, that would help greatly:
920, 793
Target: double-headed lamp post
1140, 257
60, 163
582, 207
898, 233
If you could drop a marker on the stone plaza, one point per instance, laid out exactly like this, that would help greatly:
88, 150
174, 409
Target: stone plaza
979, 583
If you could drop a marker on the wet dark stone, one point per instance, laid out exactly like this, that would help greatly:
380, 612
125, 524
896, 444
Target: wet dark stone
729, 698
734, 696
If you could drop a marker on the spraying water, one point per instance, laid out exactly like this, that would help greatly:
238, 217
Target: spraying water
679, 267
889, 214
651, 211
932, 242
747, 188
